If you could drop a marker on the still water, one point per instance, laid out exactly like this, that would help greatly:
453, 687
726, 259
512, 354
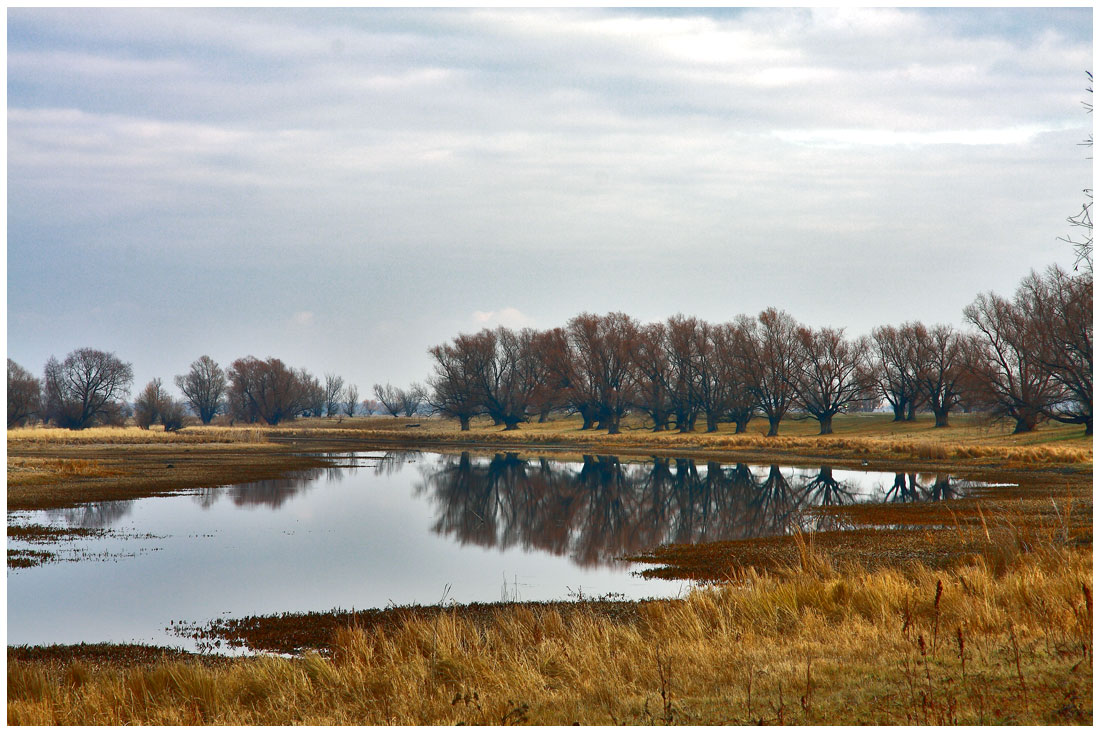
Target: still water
399, 528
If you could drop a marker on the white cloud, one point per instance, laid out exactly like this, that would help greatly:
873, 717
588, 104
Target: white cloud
508, 317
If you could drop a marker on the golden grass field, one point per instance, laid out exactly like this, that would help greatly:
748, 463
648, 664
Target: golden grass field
812, 644
977, 612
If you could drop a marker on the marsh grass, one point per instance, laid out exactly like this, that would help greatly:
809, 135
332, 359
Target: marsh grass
811, 643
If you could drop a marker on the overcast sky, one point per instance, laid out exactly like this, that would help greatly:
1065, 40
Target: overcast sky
344, 189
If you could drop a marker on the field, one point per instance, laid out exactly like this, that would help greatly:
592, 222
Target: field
978, 611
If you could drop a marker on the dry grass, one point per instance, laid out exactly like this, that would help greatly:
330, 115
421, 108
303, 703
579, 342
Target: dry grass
810, 645
39, 435
856, 437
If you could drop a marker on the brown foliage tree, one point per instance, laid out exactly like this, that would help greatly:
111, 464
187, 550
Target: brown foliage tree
269, 390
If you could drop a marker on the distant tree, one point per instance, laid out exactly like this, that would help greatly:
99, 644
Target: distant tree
86, 389
172, 413
829, 379
204, 388
412, 399
771, 363
334, 389
1004, 363
351, 399
24, 395
148, 403
390, 398
313, 395
269, 390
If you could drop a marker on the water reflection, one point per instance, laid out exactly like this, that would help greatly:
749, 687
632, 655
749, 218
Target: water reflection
97, 515
601, 508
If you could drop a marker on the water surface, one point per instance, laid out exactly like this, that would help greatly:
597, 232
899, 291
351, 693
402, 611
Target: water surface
398, 528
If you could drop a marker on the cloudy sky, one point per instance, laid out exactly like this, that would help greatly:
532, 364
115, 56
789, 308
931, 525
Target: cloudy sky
343, 189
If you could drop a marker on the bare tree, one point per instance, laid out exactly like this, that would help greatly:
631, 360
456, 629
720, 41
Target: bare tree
1005, 364
147, 405
86, 388
940, 373
412, 399
204, 388
391, 398
24, 395
506, 373
830, 379
1060, 305
351, 400
606, 348
453, 390
892, 368
771, 363
334, 388
730, 346
313, 396
652, 374
681, 344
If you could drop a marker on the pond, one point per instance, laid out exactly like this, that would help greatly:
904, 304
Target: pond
383, 529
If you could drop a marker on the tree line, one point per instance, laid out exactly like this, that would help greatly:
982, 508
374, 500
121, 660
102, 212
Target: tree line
90, 387
1027, 359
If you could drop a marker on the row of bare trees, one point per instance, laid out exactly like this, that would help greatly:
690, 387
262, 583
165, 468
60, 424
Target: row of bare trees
90, 388
1027, 359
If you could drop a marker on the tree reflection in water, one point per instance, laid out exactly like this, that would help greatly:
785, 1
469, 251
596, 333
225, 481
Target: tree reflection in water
602, 509
96, 515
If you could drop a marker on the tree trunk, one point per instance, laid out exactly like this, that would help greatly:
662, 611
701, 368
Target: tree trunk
1088, 426
544, 415
1024, 424
899, 411
773, 426
464, 422
511, 424
911, 413
612, 422
586, 416
941, 417
740, 425
826, 423
712, 423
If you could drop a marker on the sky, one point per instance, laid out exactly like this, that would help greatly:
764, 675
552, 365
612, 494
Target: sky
344, 189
